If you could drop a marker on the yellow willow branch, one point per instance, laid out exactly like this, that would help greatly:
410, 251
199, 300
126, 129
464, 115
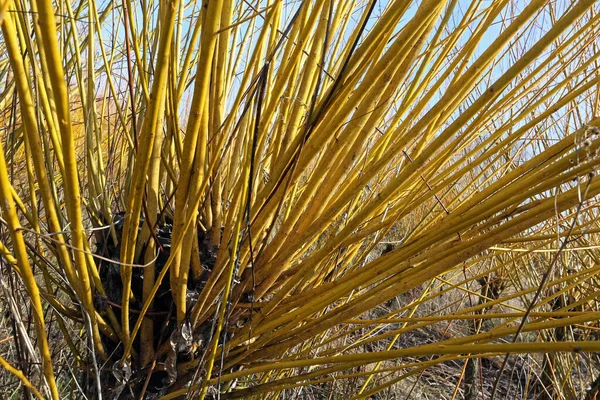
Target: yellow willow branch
554, 250
548, 314
150, 128
19, 375
195, 152
405, 176
71, 187
409, 274
434, 349
31, 130
18, 244
3, 9
501, 301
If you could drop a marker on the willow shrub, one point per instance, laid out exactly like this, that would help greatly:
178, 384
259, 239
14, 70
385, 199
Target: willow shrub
195, 194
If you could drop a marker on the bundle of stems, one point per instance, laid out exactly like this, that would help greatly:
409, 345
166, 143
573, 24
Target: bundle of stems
334, 176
